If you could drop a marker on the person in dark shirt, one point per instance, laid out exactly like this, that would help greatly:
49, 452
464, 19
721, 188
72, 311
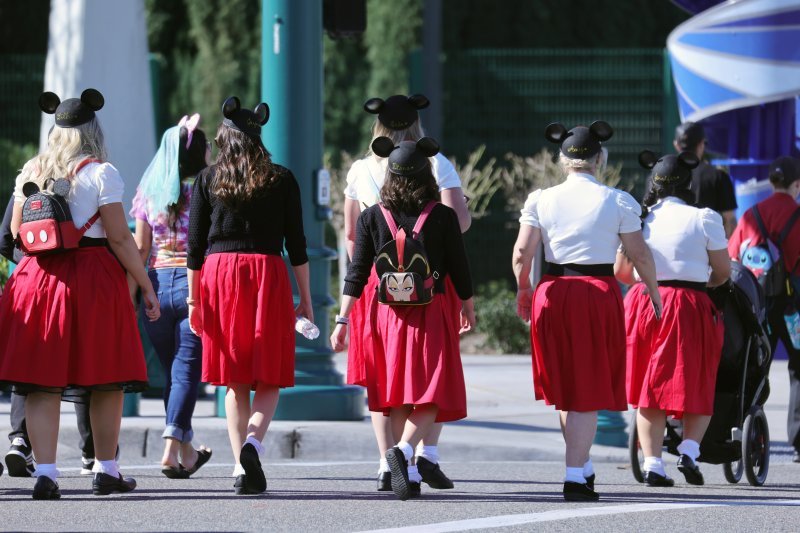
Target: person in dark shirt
711, 186
414, 371
243, 209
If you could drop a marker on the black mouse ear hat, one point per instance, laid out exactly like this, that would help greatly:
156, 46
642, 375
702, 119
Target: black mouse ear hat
671, 170
409, 157
397, 112
72, 112
244, 120
580, 142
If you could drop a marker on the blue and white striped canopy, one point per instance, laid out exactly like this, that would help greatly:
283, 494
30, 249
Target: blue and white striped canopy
737, 54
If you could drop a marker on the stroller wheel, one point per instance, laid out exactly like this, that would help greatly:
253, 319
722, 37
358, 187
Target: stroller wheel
733, 471
635, 450
755, 446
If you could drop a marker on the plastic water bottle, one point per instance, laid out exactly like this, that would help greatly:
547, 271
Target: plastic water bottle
306, 328
792, 318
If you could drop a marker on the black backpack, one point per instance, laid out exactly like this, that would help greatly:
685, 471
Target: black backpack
765, 259
402, 265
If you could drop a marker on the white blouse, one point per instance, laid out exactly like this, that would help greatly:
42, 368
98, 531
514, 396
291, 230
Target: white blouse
679, 236
581, 220
365, 178
96, 184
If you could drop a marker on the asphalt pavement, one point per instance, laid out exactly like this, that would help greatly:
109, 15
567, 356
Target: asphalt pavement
505, 458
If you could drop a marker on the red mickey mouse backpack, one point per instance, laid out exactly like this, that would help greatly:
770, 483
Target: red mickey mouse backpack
47, 226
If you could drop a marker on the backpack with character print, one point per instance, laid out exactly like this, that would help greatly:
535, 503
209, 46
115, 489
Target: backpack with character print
765, 259
402, 265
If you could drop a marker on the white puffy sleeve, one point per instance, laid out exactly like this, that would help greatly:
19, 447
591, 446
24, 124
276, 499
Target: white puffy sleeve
356, 169
630, 213
445, 173
713, 229
529, 212
110, 186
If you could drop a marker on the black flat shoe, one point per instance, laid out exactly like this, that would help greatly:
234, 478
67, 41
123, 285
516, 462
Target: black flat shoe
384, 481
414, 490
103, 484
240, 486
399, 467
45, 489
255, 479
203, 455
579, 492
652, 479
690, 470
590, 481
175, 472
433, 475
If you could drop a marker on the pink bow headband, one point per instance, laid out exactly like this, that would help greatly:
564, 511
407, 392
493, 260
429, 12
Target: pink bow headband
190, 123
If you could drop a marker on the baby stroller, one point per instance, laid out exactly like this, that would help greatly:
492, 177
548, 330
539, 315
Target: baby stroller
738, 435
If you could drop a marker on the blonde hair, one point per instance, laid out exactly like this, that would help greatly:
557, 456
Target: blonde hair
66, 147
412, 133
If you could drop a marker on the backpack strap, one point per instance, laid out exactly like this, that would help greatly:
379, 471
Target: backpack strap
83, 164
389, 220
423, 217
760, 223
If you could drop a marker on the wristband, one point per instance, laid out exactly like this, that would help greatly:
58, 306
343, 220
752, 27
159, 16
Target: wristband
342, 320
191, 301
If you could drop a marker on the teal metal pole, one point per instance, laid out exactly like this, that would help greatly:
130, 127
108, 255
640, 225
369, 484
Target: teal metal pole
291, 83
611, 429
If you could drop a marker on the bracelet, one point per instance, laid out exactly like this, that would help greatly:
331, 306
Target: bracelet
191, 301
342, 320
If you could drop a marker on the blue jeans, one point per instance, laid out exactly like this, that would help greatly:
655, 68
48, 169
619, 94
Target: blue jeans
178, 349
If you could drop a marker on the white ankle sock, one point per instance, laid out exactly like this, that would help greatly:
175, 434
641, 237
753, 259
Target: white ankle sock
384, 466
431, 453
588, 469
575, 475
689, 447
655, 465
413, 474
108, 467
256, 444
406, 448
46, 469
238, 470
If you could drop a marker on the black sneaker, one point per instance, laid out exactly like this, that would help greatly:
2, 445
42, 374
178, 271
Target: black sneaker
432, 474
104, 484
579, 492
653, 479
384, 481
690, 470
19, 458
399, 467
45, 489
255, 480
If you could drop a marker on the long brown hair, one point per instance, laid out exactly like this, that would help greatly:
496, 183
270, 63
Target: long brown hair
244, 167
409, 194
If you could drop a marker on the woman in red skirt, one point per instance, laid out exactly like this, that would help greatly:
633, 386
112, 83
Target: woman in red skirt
413, 366
397, 119
672, 363
56, 339
576, 313
244, 208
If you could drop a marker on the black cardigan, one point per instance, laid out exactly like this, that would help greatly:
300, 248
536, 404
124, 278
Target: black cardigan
441, 236
259, 226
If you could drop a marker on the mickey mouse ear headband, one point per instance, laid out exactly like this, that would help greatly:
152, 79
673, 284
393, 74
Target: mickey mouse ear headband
580, 142
397, 112
72, 112
244, 120
669, 169
409, 157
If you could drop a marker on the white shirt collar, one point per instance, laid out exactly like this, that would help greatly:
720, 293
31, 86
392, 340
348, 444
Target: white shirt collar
671, 200
581, 175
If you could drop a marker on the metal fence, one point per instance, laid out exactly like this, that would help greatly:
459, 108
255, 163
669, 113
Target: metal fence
504, 98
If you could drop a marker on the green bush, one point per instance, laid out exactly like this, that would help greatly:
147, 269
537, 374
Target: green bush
496, 310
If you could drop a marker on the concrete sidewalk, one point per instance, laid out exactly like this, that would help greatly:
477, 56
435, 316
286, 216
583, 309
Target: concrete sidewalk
504, 424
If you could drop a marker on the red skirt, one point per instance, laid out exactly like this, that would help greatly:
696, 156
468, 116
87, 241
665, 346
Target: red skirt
415, 358
360, 342
578, 339
248, 320
672, 363
67, 320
